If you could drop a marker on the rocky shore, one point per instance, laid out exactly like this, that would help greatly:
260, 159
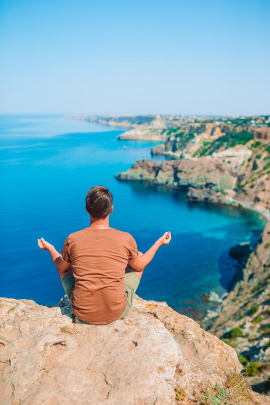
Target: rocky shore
205, 179
153, 356
214, 163
242, 318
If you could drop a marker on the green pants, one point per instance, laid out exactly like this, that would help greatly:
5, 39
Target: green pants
131, 283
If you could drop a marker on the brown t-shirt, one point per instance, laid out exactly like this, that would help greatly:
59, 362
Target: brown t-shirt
99, 258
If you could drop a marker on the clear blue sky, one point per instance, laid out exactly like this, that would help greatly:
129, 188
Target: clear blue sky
133, 57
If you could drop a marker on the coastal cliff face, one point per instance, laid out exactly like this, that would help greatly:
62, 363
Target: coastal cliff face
182, 173
242, 318
200, 139
227, 164
153, 356
209, 169
210, 179
152, 132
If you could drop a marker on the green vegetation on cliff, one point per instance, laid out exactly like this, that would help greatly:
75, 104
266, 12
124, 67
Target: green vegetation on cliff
227, 141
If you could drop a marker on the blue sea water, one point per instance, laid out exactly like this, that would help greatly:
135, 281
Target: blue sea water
48, 163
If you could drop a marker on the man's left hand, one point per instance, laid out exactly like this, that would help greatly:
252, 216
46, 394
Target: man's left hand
43, 244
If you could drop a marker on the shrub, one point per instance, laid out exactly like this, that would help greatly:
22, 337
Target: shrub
243, 360
254, 309
267, 246
266, 329
234, 392
236, 332
214, 396
180, 394
229, 343
183, 139
257, 287
238, 388
253, 368
255, 165
255, 144
258, 319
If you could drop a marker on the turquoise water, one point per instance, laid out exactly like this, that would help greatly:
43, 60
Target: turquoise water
48, 163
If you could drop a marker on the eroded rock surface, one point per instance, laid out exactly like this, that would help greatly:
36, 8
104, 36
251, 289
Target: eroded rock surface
47, 359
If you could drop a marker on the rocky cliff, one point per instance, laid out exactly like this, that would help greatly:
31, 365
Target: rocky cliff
153, 356
210, 179
182, 173
242, 318
227, 164
155, 131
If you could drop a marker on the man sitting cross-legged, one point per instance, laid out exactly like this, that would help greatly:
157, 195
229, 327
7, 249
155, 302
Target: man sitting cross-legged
100, 267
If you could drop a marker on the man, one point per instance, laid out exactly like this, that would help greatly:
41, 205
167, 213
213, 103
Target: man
100, 267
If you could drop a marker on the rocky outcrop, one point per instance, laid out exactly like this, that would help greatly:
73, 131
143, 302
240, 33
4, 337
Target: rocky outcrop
143, 134
243, 317
185, 140
203, 173
262, 133
241, 150
236, 176
153, 356
156, 131
251, 288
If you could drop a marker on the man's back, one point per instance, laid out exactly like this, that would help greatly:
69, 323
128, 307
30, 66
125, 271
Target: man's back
99, 258
93, 265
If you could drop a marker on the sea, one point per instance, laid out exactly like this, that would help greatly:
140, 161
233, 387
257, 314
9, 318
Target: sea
49, 162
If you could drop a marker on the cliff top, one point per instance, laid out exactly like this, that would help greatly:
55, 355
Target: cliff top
153, 356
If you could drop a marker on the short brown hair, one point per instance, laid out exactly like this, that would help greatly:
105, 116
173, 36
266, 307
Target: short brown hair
99, 202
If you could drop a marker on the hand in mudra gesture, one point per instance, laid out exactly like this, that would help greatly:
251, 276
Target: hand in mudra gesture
165, 239
43, 244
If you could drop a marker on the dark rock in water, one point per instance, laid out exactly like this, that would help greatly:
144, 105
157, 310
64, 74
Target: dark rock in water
240, 251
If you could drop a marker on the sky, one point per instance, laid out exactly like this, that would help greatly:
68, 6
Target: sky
201, 57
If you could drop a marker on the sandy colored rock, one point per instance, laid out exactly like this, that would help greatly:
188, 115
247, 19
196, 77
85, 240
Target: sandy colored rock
47, 359
198, 173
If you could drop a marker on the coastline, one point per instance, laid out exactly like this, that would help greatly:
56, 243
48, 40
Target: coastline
240, 317
234, 204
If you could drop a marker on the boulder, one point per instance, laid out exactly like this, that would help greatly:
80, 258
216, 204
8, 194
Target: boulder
153, 356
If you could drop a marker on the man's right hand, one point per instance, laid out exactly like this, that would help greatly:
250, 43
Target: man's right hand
165, 239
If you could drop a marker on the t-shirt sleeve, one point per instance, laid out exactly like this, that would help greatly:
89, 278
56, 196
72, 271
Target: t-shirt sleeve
133, 249
65, 251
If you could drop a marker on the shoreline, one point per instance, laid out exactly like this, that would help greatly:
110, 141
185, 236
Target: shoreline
234, 204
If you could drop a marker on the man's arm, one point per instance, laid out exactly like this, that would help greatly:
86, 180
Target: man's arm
142, 261
56, 256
